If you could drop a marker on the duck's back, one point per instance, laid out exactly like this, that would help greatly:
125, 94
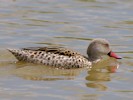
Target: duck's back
51, 56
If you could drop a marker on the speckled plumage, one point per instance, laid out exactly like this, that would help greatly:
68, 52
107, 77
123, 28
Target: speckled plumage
52, 56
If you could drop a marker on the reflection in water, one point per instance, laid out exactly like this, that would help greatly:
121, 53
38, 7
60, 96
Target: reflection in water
110, 64
98, 76
39, 73
101, 73
45, 73
95, 79
99, 86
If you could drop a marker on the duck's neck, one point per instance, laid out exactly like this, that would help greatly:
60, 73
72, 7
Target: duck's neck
94, 56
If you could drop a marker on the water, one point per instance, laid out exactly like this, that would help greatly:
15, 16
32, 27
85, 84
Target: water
72, 24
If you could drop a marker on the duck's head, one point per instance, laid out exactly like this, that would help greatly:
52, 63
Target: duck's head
99, 48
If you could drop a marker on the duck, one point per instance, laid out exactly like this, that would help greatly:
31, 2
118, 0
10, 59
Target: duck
60, 57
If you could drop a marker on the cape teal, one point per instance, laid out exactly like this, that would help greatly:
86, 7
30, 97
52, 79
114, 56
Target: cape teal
60, 57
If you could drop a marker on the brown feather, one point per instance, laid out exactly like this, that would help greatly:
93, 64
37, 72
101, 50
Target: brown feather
55, 50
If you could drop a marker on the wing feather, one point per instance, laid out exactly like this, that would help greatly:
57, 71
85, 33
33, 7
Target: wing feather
55, 50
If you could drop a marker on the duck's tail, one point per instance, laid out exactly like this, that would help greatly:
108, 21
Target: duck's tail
17, 53
13, 51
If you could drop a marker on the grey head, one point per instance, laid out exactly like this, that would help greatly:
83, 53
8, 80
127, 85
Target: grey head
99, 48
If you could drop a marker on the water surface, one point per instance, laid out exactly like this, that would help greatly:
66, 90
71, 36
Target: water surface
66, 23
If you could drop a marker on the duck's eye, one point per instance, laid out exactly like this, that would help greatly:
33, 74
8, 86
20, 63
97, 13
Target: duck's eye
107, 45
